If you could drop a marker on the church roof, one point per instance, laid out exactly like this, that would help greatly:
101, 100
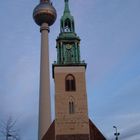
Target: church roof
95, 134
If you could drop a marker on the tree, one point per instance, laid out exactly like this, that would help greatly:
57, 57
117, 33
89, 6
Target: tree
8, 129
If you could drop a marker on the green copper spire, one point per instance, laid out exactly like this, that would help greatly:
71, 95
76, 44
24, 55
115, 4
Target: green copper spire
67, 20
68, 43
67, 10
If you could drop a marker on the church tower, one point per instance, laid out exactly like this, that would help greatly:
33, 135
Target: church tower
71, 111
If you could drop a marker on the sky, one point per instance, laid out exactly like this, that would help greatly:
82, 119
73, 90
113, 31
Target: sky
110, 45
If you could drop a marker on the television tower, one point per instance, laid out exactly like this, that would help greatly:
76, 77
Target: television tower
44, 15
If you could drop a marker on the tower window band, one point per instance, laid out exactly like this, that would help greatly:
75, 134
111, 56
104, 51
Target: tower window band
70, 84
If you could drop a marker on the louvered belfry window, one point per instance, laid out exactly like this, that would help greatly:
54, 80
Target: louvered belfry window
70, 84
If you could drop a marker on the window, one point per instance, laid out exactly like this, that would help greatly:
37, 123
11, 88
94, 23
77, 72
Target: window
67, 25
71, 107
70, 83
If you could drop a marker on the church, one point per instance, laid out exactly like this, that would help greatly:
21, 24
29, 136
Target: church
68, 71
71, 111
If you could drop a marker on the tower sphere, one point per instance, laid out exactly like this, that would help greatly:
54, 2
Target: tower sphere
44, 13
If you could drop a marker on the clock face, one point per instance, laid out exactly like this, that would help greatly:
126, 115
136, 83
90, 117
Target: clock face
68, 46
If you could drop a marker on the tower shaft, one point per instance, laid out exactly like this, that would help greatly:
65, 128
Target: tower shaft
71, 111
44, 99
44, 15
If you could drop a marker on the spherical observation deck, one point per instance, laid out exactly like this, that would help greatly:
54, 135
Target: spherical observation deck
44, 13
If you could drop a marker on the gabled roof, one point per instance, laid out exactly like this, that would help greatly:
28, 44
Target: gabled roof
95, 134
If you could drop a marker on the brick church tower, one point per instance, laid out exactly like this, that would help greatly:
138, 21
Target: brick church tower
71, 112
71, 109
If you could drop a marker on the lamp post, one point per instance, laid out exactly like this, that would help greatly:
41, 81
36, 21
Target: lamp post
116, 132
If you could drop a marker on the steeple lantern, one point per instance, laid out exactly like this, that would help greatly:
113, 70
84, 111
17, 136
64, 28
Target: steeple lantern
67, 20
68, 43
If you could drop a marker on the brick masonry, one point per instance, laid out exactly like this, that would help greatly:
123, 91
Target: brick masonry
66, 123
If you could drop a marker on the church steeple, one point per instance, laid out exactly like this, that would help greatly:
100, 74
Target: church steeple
68, 43
67, 20
71, 112
71, 106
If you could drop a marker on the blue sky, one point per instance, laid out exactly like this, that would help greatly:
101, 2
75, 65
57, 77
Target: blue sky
110, 44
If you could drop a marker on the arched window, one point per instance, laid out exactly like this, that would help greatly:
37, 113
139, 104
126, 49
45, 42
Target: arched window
71, 107
70, 83
67, 25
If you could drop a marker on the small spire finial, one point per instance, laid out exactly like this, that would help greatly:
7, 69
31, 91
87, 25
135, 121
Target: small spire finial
66, 7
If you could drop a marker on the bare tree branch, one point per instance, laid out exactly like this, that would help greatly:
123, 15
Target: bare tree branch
8, 129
